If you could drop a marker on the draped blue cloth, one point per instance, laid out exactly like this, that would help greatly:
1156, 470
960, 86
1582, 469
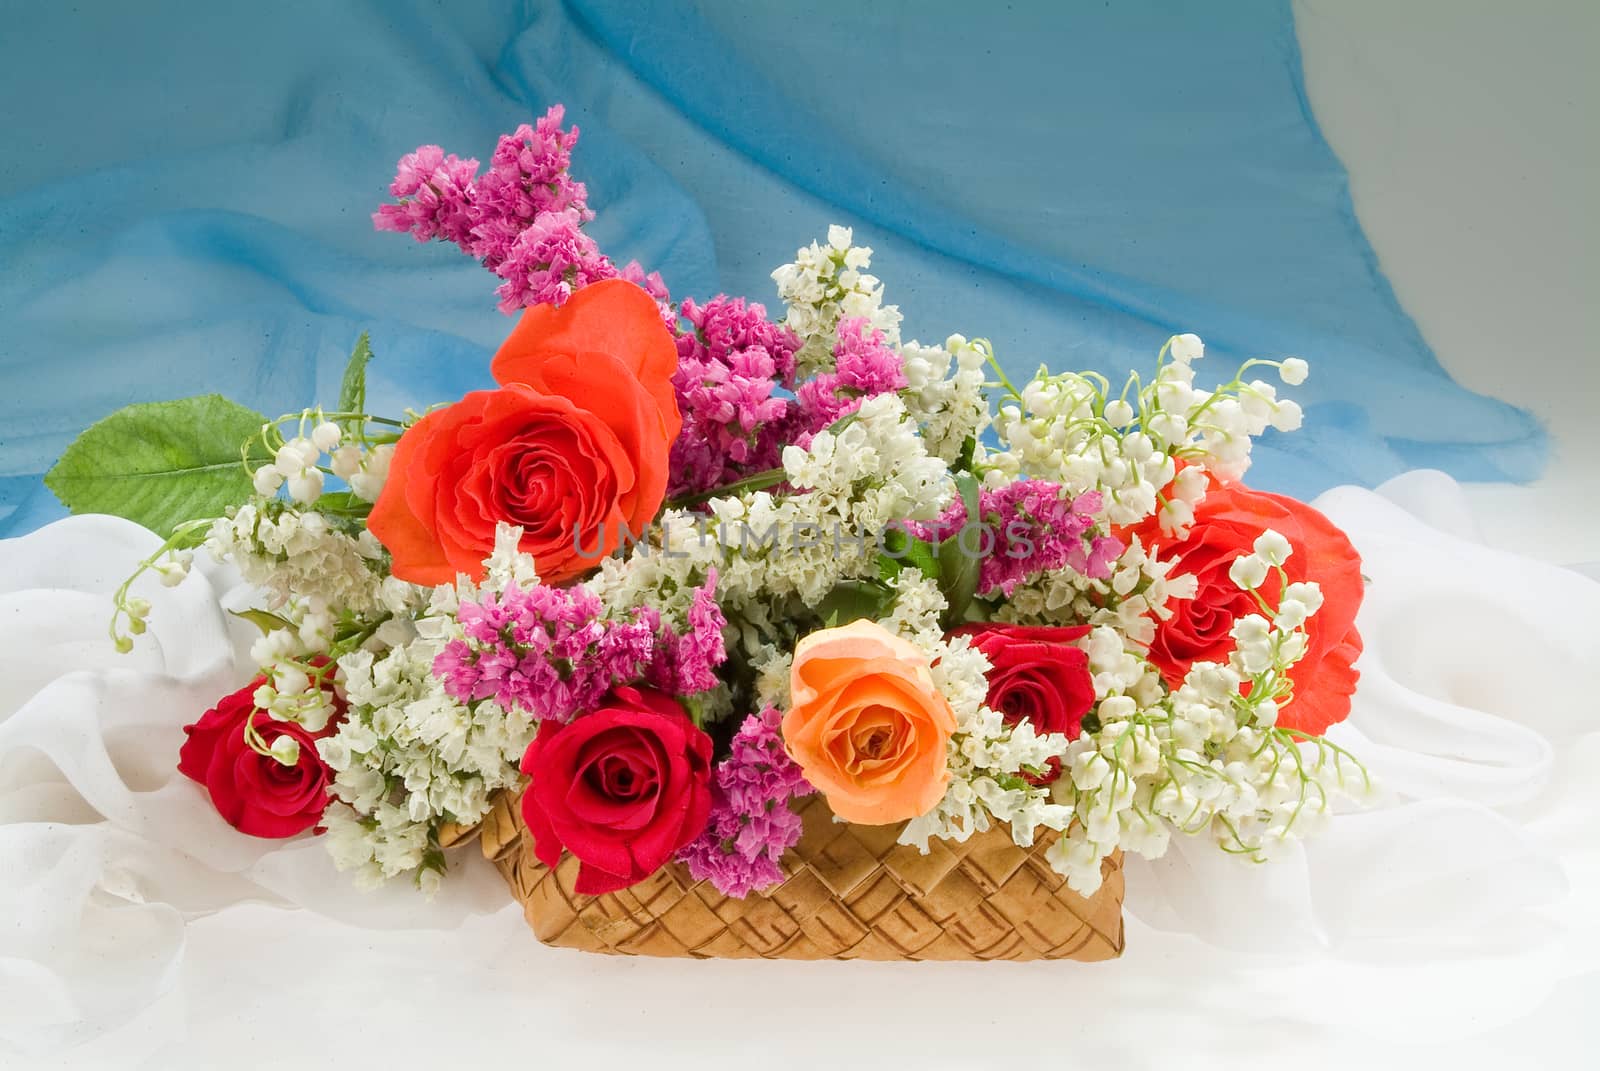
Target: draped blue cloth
185, 195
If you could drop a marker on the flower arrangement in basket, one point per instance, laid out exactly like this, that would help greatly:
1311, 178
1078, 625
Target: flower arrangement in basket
724, 635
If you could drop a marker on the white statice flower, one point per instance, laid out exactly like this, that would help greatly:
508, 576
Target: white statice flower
378, 844
827, 283
856, 483
772, 669
295, 556
918, 604
987, 757
949, 405
879, 459
408, 757
508, 564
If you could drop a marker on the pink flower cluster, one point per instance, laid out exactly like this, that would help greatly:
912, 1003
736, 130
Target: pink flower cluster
752, 823
864, 365
732, 362
687, 664
1034, 526
551, 653
437, 194
548, 261
523, 218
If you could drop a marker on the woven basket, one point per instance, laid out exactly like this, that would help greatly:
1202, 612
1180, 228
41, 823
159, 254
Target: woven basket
851, 892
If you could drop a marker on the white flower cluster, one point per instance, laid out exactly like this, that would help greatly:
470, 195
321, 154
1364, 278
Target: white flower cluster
827, 283
858, 480
366, 470
408, 757
950, 406
1203, 760
879, 461
294, 692
987, 757
297, 464
1132, 599
301, 557
1068, 428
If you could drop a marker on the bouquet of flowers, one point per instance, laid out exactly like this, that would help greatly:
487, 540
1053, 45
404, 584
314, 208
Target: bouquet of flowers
738, 635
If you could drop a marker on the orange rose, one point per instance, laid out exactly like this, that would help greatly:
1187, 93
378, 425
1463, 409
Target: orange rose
867, 725
573, 447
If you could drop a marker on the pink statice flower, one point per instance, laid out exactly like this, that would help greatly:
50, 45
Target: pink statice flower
865, 365
549, 260
437, 197
531, 171
1033, 526
752, 818
554, 654
686, 663
523, 218
545, 651
732, 364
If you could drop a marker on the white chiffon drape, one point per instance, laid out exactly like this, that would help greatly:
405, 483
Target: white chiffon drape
1458, 912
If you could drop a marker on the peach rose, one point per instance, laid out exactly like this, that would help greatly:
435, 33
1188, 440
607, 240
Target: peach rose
867, 725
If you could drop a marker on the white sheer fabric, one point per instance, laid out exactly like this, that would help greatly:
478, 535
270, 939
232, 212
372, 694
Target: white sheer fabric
1457, 912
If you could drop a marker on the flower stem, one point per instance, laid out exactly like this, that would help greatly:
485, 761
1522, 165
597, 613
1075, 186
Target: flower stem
755, 482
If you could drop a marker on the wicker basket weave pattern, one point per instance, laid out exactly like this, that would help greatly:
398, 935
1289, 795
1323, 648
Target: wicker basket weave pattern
850, 892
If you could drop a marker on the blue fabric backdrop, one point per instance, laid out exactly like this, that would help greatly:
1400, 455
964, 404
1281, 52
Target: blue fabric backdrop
185, 194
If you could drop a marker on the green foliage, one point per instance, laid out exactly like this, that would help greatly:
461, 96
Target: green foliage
852, 600
160, 464
261, 619
901, 550
958, 568
353, 387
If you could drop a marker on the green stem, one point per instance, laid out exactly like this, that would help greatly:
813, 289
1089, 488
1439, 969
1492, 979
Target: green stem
1005, 380
756, 482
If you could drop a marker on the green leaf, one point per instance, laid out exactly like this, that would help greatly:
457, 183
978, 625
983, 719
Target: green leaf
852, 600
353, 388
958, 569
162, 463
343, 504
261, 619
901, 550
969, 450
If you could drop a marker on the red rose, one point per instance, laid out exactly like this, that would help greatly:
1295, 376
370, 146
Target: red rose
1037, 675
255, 793
1226, 524
572, 448
622, 788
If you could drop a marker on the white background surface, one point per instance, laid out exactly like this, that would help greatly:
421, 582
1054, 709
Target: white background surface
1460, 931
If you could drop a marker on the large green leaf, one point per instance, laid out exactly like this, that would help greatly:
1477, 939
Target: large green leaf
161, 463
353, 388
